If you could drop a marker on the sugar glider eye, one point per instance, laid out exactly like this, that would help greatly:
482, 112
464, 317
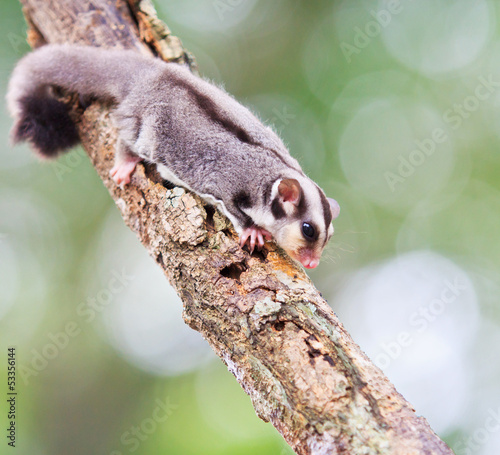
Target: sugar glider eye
308, 231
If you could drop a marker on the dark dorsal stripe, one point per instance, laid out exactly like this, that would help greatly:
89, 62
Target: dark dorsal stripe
206, 104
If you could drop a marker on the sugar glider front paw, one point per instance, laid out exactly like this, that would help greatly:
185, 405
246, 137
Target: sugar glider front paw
256, 236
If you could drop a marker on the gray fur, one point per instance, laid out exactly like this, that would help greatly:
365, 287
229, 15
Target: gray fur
198, 135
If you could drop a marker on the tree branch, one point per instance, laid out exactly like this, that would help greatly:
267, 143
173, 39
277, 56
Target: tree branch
261, 314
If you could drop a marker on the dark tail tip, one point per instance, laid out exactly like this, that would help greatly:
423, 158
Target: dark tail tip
45, 123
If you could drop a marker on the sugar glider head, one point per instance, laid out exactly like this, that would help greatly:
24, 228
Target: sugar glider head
302, 218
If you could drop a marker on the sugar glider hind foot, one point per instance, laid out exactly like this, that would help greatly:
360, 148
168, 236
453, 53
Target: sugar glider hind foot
123, 169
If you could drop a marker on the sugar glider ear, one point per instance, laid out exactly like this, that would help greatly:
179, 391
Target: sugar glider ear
334, 207
290, 191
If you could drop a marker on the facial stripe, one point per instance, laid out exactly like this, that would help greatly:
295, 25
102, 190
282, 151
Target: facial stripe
326, 239
277, 209
242, 200
302, 206
213, 112
327, 212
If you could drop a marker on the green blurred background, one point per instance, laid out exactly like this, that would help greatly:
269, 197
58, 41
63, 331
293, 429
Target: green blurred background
394, 109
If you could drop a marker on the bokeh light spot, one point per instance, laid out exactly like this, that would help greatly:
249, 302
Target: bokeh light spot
416, 315
396, 153
437, 37
142, 312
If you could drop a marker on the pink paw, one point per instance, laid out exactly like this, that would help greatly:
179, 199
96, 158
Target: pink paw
256, 235
122, 172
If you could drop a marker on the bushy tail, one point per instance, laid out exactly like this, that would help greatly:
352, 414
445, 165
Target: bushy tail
44, 121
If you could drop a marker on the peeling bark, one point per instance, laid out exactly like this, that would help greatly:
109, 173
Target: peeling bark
261, 314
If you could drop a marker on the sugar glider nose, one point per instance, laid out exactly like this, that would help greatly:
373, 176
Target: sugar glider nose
310, 263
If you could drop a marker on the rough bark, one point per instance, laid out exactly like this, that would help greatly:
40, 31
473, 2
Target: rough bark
261, 314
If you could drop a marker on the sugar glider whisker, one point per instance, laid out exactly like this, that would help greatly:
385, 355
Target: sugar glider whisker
198, 136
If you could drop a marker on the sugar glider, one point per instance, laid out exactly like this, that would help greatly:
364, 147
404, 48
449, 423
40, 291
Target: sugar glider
199, 137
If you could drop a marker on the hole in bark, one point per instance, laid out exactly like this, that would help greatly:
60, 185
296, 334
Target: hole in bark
133, 15
234, 271
327, 358
153, 175
261, 254
314, 353
210, 216
279, 326
159, 258
168, 185
84, 101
